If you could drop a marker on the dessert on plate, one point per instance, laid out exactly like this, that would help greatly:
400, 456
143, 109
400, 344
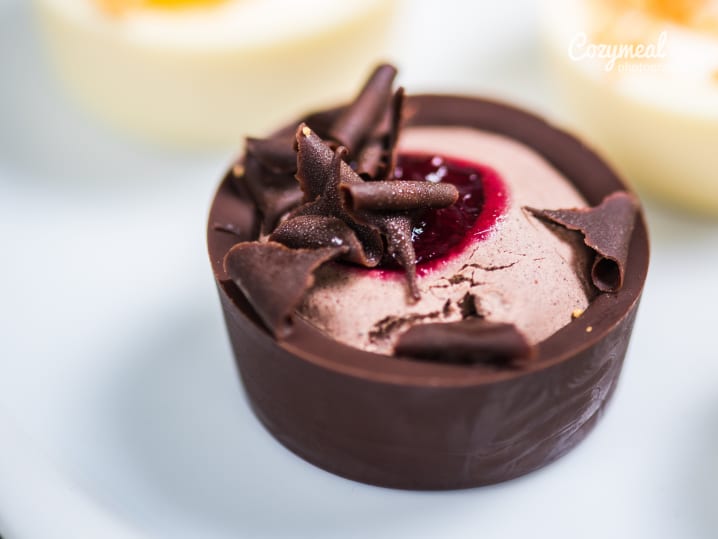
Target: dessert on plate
640, 79
426, 292
195, 73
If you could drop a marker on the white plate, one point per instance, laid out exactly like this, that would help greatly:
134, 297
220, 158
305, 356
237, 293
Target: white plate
120, 411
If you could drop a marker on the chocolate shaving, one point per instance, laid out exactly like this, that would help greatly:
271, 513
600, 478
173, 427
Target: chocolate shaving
357, 122
607, 230
273, 193
275, 153
469, 341
313, 231
397, 107
275, 278
377, 158
323, 174
332, 206
315, 173
369, 162
398, 230
321, 171
398, 195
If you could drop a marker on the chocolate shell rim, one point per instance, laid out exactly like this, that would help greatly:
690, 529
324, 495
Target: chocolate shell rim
562, 151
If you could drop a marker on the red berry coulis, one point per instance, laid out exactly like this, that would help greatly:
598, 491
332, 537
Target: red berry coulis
439, 235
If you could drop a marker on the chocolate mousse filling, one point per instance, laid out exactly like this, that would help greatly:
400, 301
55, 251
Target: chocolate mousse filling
439, 298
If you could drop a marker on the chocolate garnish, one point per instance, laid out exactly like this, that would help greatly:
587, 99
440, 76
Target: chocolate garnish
324, 174
274, 278
315, 174
357, 122
470, 341
397, 107
313, 231
607, 229
398, 230
377, 158
330, 205
274, 153
320, 172
369, 162
274, 193
398, 195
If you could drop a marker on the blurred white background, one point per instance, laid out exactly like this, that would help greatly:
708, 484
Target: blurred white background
120, 411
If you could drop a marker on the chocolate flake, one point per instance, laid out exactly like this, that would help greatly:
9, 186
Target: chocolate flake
398, 230
330, 206
274, 278
397, 107
368, 208
399, 195
313, 231
274, 193
369, 162
320, 172
470, 341
607, 230
275, 153
316, 174
377, 159
357, 122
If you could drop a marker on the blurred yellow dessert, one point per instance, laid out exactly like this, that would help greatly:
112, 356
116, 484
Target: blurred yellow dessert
200, 73
640, 79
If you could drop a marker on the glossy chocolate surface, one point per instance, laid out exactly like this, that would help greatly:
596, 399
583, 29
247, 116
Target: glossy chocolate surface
422, 425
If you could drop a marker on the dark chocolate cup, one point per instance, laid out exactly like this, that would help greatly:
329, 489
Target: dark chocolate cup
417, 425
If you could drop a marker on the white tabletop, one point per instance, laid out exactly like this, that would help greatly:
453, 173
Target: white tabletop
120, 411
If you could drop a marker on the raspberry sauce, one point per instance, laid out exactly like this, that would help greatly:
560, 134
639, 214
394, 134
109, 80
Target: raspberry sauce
438, 235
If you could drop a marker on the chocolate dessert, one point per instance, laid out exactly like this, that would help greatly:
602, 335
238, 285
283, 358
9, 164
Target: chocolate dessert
426, 292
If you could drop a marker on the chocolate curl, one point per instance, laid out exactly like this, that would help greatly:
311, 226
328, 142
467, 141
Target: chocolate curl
607, 230
322, 171
398, 195
471, 341
315, 173
314, 231
398, 229
319, 173
275, 278
397, 107
377, 159
359, 119
273, 193
369, 162
275, 153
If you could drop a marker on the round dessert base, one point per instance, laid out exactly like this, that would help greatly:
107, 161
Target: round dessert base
422, 425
